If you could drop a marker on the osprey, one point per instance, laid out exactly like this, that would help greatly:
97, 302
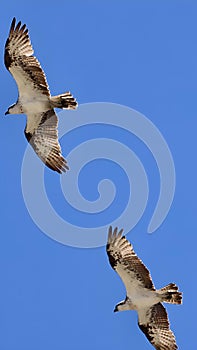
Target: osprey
141, 293
34, 98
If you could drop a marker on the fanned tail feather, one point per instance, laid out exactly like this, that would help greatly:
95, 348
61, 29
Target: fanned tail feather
65, 100
170, 294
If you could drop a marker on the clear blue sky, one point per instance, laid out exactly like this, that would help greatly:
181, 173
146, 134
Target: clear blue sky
139, 54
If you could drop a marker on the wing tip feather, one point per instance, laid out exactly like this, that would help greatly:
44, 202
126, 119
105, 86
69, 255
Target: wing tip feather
114, 235
13, 25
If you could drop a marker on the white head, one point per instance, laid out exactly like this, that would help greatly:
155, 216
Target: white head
122, 306
14, 109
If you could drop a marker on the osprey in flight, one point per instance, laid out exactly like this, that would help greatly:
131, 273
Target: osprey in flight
34, 98
141, 293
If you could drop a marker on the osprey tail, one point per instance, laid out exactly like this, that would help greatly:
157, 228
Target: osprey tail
170, 294
65, 100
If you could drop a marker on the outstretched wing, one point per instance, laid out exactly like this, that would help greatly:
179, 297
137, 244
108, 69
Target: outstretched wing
154, 324
126, 263
44, 140
21, 63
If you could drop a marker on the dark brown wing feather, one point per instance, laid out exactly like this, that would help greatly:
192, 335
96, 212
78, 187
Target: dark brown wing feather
154, 324
45, 143
126, 263
21, 63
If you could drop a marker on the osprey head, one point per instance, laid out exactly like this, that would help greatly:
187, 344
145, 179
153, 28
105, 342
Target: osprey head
13, 109
122, 306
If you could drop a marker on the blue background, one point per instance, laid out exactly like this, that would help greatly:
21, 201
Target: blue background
139, 54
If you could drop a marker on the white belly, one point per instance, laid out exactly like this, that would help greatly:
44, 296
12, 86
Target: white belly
35, 106
144, 298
